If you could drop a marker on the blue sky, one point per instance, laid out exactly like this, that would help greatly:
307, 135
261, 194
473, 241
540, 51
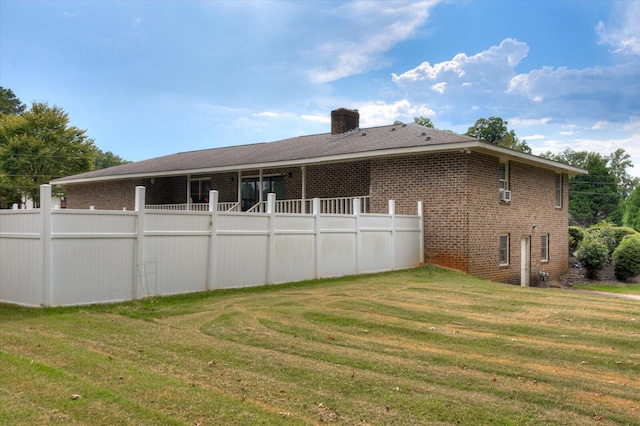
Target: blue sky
149, 78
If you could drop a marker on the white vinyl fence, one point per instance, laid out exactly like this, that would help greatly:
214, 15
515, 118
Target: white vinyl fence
58, 257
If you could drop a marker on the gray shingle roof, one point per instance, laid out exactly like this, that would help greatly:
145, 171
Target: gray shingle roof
360, 143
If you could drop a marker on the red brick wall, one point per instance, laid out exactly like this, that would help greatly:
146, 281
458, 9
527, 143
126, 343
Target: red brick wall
338, 180
439, 181
464, 216
113, 195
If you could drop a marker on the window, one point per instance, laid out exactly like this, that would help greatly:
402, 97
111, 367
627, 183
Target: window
504, 175
251, 189
558, 190
200, 190
504, 249
544, 247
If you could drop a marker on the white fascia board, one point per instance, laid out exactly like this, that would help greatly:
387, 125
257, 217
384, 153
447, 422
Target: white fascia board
363, 155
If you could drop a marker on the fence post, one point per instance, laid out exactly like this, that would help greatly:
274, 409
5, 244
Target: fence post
316, 220
392, 213
271, 243
356, 212
212, 258
45, 240
139, 209
421, 227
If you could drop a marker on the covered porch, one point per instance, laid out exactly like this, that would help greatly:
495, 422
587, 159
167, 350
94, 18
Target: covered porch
335, 185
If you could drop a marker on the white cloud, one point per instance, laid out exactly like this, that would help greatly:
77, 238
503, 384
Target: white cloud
380, 113
587, 93
472, 83
487, 69
529, 121
319, 118
439, 87
600, 125
269, 114
533, 137
375, 28
622, 33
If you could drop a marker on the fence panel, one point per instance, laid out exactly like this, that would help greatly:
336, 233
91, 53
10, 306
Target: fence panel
175, 253
377, 248
21, 275
92, 256
294, 248
89, 270
336, 246
241, 254
408, 242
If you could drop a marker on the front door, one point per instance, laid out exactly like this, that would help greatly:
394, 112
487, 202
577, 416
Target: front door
525, 261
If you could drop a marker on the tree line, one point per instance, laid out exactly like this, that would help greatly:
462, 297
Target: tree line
608, 193
39, 144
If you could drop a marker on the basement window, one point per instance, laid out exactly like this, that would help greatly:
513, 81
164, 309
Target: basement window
544, 247
504, 250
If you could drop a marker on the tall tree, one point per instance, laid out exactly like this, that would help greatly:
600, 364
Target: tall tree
108, 159
631, 216
494, 130
9, 103
41, 145
618, 163
423, 121
595, 197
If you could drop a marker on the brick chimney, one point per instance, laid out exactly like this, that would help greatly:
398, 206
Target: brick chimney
343, 120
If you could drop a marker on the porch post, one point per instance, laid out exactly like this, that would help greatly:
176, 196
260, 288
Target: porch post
188, 192
304, 189
260, 197
239, 190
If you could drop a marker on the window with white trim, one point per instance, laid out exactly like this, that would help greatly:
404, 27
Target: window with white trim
504, 249
504, 175
559, 190
544, 247
199, 189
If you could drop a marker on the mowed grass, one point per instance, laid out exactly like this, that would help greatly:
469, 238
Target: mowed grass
409, 347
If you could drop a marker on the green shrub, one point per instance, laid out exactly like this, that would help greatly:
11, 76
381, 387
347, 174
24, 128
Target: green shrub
576, 235
626, 258
593, 253
605, 232
619, 232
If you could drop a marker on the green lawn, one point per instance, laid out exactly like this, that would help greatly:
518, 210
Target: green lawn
409, 347
611, 288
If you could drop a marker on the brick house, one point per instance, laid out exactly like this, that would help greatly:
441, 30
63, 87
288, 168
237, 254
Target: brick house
489, 211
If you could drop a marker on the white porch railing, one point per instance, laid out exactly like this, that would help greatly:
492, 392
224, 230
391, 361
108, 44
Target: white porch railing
339, 205
196, 207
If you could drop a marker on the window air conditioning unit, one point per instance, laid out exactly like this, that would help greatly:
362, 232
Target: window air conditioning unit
505, 195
